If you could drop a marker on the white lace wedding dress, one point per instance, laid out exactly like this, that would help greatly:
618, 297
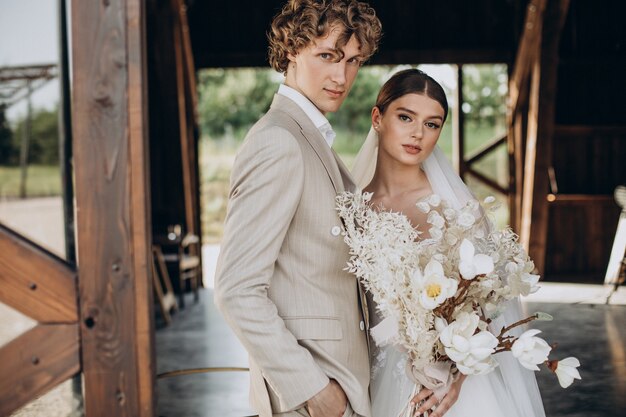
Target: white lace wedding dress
510, 390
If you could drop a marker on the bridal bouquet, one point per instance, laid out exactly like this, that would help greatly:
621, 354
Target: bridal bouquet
440, 296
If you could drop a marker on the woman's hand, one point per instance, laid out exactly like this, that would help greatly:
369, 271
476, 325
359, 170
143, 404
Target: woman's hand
427, 400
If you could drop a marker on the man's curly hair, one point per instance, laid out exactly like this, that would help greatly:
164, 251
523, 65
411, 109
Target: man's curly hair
301, 21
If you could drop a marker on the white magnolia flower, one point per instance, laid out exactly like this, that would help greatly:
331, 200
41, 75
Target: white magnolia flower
566, 371
433, 286
530, 350
470, 264
471, 352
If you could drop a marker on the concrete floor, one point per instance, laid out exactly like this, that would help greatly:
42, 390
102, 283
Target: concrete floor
198, 337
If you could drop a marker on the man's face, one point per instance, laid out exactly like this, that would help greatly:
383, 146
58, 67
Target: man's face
317, 73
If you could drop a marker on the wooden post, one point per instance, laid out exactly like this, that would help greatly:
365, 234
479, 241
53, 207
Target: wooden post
113, 211
527, 54
534, 223
458, 127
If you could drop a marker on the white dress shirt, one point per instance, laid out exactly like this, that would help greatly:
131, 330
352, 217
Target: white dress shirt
316, 116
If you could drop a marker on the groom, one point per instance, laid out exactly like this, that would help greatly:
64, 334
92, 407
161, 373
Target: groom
280, 282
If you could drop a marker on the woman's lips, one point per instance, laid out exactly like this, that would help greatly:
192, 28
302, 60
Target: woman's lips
333, 93
412, 149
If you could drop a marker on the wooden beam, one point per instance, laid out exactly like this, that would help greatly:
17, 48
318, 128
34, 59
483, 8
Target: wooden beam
458, 127
36, 282
487, 181
36, 362
527, 51
185, 129
485, 150
140, 214
534, 228
112, 203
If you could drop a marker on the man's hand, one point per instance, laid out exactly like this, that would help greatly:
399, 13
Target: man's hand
430, 400
329, 402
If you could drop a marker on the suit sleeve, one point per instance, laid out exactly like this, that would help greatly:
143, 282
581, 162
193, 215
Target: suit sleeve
266, 186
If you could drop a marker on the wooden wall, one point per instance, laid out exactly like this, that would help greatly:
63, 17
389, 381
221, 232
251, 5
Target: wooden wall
589, 153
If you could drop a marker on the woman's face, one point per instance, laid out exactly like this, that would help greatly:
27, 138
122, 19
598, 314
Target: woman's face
409, 129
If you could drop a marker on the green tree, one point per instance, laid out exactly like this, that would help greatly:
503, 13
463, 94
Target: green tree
44, 141
485, 91
230, 101
7, 151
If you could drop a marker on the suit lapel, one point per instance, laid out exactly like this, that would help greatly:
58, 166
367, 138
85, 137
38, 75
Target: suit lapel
314, 137
348, 182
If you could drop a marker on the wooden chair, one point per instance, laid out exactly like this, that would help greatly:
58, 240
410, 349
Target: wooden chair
189, 264
162, 285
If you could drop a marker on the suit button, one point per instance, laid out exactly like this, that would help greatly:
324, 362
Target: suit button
335, 231
362, 325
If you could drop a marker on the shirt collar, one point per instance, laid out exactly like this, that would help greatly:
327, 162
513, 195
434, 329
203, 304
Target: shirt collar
319, 120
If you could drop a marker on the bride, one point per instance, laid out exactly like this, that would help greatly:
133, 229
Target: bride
401, 163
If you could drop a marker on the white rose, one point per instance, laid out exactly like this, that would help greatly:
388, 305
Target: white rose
530, 350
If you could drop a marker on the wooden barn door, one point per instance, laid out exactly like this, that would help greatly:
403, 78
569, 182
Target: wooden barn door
94, 318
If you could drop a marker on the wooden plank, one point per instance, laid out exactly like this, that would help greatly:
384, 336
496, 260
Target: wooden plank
185, 130
140, 211
36, 282
526, 52
36, 362
111, 201
568, 131
580, 199
534, 228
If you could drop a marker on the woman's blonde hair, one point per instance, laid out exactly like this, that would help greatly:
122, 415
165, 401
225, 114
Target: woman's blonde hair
301, 21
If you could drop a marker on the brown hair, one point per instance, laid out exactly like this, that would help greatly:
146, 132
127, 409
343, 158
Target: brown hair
301, 21
407, 82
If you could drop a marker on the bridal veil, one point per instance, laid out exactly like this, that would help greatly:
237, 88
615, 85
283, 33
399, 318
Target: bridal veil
510, 390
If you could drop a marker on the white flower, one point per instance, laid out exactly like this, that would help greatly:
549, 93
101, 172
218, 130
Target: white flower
566, 371
471, 265
530, 350
435, 233
466, 220
521, 282
434, 200
436, 220
433, 286
450, 214
471, 352
423, 206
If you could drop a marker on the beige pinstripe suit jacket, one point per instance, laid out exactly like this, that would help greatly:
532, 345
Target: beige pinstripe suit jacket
280, 282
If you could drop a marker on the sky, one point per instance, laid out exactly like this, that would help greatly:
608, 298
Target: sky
29, 36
